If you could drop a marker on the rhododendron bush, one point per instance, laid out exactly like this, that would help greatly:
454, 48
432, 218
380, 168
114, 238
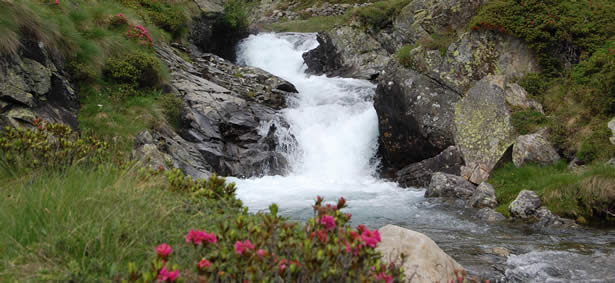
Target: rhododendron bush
265, 247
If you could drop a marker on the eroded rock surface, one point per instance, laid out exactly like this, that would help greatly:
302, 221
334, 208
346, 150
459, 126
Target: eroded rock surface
534, 148
449, 186
425, 261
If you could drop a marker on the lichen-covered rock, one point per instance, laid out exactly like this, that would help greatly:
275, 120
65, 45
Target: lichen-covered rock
356, 53
517, 96
226, 130
612, 127
421, 18
424, 261
473, 56
483, 128
34, 85
450, 186
484, 196
419, 174
489, 215
534, 148
525, 205
415, 116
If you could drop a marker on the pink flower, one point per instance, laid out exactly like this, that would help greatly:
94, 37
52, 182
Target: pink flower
203, 264
57, 2
370, 238
242, 246
260, 253
197, 237
328, 221
163, 250
165, 275
383, 276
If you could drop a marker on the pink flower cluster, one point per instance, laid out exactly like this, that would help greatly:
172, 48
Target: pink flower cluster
370, 238
197, 237
328, 221
141, 34
163, 250
242, 246
203, 264
384, 277
165, 276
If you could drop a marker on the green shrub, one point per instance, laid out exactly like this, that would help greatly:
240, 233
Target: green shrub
403, 56
597, 145
236, 14
380, 14
438, 41
137, 68
172, 109
528, 121
168, 17
595, 80
47, 146
535, 84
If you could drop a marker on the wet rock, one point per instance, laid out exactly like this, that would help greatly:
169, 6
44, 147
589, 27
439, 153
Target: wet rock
451, 186
525, 205
425, 261
33, 84
323, 59
484, 196
489, 215
534, 148
546, 218
612, 127
419, 174
500, 251
226, 130
415, 116
484, 132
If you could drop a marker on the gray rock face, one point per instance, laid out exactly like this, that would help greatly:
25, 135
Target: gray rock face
489, 215
451, 186
525, 205
517, 96
33, 85
419, 174
356, 54
324, 59
612, 127
229, 131
483, 129
211, 33
484, 196
534, 148
415, 116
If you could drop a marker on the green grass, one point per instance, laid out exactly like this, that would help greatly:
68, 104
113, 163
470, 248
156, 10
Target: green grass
88, 224
312, 24
589, 193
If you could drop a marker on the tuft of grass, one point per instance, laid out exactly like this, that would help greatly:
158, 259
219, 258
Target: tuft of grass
528, 121
88, 223
403, 55
589, 194
438, 41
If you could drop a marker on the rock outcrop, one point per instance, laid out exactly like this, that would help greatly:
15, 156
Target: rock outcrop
353, 52
228, 128
449, 186
425, 261
484, 132
534, 148
33, 84
324, 59
419, 174
415, 116
483, 197
211, 33
525, 205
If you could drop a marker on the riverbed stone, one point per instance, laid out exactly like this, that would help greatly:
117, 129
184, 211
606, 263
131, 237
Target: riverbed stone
525, 205
546, 218
484, 196
489, 215
612, 127
534, 148
450, 186
425, 262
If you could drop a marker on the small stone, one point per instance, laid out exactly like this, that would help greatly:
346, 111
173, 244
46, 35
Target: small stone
500, 251
525, 205
484, 196
490, 215
447, 185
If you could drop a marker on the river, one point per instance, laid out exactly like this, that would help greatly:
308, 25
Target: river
335, 127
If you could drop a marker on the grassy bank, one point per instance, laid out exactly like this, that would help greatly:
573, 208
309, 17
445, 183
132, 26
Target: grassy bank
586, 195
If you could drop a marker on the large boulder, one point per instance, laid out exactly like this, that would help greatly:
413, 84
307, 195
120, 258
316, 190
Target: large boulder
419, 174
352, 52
415, 116
449, 186
424, 262
484, 196
612, 127
474, 55
484, 132
33, 84
228, 124
525, 205
534, 148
